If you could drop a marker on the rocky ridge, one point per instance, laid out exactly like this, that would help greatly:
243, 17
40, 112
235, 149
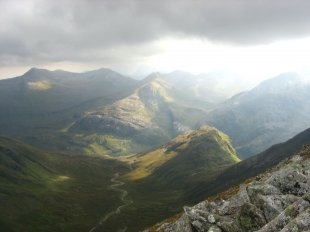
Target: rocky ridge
277, 200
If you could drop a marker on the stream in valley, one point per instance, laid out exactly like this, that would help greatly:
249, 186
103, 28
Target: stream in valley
116, 184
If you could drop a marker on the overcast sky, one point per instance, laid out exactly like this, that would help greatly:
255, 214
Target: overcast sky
256, 38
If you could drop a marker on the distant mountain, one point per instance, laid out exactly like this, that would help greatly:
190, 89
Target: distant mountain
51, 192
272, 112
214, 87
37, 106
51, 91
39, 93
103, 112
151, 115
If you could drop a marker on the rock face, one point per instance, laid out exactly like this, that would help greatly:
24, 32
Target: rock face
277, 200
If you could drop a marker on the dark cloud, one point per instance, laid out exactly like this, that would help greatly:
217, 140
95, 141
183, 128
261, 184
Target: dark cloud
85, 30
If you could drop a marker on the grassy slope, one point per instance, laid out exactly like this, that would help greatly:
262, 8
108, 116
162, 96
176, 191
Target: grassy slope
51, 192
160, 197
44, 192
205, 149
160, 178
249, 167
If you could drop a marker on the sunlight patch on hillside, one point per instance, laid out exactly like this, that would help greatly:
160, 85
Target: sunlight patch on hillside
39, 85
61, 178
148, 163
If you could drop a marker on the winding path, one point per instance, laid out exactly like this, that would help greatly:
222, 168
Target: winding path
116, 187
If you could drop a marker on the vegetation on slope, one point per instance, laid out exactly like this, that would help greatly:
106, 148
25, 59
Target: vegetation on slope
249, 167
52, 192
159, 179
193, 152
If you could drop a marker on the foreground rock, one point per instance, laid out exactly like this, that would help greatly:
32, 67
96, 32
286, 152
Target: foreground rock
278, 200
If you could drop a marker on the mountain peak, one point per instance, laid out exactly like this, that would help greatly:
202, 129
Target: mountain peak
35, 70
281, 83
35, 74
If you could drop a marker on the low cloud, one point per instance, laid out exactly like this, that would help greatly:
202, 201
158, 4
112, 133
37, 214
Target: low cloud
38, 31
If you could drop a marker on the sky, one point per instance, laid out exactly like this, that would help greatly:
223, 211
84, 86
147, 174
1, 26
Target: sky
253, 38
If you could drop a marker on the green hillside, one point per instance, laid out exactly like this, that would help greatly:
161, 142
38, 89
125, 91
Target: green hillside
250, 167
51, 192
189, 154
159, 179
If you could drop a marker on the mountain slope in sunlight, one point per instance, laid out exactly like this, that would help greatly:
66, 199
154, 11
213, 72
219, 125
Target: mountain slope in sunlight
200, 151
150, 116
159, 179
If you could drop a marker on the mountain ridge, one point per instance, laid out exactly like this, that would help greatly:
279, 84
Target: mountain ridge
267, 114
277, 200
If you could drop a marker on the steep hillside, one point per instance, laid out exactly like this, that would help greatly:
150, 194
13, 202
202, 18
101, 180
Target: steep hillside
277, 200
205, 150
272, 112
51, 192
249, 167
159, 179
150, 116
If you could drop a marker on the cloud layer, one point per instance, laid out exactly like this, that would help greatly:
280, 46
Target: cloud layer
34, 31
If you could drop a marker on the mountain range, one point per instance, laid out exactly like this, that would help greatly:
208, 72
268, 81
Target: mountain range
96, 151
103, 112
59, 110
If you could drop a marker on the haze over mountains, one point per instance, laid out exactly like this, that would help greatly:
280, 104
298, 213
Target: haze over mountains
199, 99
272, 112
150, 140
105, 112
41, 106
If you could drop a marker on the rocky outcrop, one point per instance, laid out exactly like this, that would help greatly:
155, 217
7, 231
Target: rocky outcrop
277, 200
